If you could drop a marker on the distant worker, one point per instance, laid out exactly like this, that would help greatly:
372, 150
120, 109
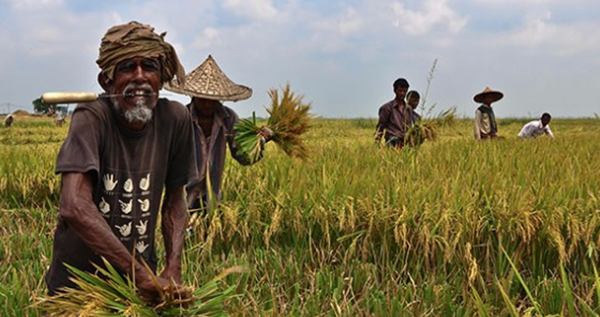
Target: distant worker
59, 119
412, 99
536, 128
485, 120
395, 117
8, 121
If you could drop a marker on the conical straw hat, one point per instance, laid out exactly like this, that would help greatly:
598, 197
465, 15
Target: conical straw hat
209, 82
496, 95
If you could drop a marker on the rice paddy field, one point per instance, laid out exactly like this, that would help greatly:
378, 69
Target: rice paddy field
455, 227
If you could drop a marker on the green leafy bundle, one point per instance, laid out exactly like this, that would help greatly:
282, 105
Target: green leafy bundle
289, 119
117, 296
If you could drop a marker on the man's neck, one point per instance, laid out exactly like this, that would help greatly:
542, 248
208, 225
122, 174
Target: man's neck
401, 103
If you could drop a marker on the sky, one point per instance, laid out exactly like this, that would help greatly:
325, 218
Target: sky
341, 55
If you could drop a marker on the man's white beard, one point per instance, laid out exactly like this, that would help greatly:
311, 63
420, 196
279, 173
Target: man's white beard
139, 114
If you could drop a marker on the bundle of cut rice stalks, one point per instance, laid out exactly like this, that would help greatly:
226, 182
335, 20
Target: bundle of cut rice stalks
116, 296
428, 129
289, 119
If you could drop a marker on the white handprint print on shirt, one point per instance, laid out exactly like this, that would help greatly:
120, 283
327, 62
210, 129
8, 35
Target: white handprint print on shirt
126, 207
141, 228
109, 182
145, 182
104, 206
145, 204
125, 230
128, 187
141, 246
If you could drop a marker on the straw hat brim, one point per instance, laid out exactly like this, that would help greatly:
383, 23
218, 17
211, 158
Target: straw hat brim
496, 95
209, 82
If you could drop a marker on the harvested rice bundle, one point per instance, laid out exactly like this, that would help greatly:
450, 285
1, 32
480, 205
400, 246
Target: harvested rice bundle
116, 296
420, 131
289, 119
428, 129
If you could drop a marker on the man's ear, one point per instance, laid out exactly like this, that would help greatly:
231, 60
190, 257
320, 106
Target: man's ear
104, 82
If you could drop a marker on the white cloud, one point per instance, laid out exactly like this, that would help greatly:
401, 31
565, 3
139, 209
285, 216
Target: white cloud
331, 34
350, 23
253, 9
34, 4
435, 12
209, 38
520, 2
326, 48
563, 39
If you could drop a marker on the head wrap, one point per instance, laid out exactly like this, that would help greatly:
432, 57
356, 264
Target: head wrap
132, 40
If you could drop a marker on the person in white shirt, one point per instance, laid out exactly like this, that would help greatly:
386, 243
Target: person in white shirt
536, 128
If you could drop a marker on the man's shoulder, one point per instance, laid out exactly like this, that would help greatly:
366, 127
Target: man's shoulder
96, 108
533, 123
388, 105
229, 111
173, 108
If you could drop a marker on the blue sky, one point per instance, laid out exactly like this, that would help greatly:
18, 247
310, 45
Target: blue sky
341, 55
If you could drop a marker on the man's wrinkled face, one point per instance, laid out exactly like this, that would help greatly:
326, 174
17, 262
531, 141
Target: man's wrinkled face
135, 88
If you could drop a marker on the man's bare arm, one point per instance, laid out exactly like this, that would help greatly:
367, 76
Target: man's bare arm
174, 222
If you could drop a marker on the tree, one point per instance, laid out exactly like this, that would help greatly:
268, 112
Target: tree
41, 107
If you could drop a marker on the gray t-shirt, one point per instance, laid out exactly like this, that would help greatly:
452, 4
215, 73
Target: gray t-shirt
131, 170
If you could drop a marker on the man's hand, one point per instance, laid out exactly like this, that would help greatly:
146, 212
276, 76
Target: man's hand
266, 134
152, 290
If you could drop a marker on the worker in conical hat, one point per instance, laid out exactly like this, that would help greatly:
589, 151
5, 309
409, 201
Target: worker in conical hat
485, 120
208, 87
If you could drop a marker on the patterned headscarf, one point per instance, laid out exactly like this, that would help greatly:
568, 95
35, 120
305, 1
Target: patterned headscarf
131, 40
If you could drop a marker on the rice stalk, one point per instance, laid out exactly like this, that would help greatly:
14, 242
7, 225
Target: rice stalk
114, 295
289, 120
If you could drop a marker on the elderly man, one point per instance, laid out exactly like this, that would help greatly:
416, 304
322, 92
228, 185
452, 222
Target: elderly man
485, 120
537, 128
395, 117
208, 87
121, 153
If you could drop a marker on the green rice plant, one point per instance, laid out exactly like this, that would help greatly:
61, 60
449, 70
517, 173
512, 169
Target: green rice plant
569, 297
289, 120
536, 305
117, 296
